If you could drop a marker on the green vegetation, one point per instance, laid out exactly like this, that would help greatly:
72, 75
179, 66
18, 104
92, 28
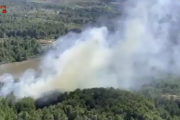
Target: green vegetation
17, 49
88, 104
98, 104
162, 87
27, 20
166, 97
21, 32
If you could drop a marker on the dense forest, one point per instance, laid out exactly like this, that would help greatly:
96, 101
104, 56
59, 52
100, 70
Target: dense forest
166, 97
31, 21
18, 49
22, 28
88, 104
97, 104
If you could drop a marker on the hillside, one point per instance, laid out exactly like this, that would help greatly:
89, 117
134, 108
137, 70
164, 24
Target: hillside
38, 20
133, 55
165, 94
88, 104
92, 104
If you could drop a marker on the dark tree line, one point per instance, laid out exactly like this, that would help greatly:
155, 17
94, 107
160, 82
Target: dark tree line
96, 104
88, 104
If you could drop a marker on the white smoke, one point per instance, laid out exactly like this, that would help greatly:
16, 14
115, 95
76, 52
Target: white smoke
141, 48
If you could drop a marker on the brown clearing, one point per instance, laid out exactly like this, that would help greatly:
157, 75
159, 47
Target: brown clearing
18, 68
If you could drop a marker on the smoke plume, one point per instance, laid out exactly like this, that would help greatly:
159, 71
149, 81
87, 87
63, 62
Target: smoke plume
143, 48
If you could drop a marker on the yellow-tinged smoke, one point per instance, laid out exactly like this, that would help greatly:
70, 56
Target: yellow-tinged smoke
99, 58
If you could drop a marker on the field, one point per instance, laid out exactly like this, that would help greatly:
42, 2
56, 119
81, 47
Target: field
18, 68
